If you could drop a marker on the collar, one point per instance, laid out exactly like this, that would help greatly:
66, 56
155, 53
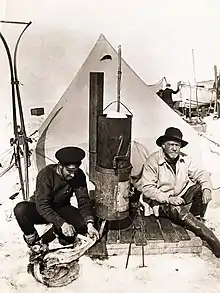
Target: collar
162, 159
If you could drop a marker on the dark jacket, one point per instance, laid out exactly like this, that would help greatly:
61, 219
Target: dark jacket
53, 192
160, 93
167, 96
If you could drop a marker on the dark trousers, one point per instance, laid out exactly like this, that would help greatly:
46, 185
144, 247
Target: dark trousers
27, 216
193, 204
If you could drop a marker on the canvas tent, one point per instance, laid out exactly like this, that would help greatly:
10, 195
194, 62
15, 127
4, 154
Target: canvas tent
68, 122
157, 86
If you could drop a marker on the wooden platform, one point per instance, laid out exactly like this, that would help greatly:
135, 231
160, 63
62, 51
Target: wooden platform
160, 236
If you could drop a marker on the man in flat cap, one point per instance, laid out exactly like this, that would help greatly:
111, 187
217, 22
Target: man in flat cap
50, 203
172, 186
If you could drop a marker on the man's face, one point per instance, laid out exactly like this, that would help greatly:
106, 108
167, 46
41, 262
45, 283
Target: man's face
69, 171
171, 149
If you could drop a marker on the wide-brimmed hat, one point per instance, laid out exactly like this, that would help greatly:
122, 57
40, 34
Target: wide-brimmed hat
70, 155
171, 133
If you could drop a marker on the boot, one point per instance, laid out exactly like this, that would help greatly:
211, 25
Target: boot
35, 243
199, 229
203, 211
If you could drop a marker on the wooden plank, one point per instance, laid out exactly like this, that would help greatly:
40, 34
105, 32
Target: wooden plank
168, 231
125, 236
99, 250
152, 228
136, 250
181, 232
196, 241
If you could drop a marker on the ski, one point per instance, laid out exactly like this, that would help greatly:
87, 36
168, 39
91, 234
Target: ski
18, 137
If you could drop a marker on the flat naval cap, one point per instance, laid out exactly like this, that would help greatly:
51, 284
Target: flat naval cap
70, 155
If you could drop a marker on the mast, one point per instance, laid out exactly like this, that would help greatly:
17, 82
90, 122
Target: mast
195, 82
216, 88
194, 66
190, 100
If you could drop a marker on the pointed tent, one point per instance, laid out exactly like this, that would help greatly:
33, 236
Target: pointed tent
68, 122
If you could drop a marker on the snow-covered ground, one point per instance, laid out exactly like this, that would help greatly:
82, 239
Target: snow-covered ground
163, 273
182, 273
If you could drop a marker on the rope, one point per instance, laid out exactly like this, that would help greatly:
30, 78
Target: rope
5, 151
44, 156
121, 104
214, 142
7, 169
215, 152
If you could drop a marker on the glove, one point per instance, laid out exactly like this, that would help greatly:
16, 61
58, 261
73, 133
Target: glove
68, 230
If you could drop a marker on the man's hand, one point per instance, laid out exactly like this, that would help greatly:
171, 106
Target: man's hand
92, 231
179, 83
68, 230
176, 200
206, 196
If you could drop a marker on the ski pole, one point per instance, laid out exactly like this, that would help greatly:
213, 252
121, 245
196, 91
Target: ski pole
129, 248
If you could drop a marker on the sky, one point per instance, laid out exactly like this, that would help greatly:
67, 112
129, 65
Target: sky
157, 39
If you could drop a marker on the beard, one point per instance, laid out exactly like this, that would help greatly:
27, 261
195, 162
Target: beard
173, 156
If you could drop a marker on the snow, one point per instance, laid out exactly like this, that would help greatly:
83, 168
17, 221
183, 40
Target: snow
167, 273
182, 273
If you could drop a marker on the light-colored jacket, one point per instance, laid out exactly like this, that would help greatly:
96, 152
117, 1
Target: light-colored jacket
158, 180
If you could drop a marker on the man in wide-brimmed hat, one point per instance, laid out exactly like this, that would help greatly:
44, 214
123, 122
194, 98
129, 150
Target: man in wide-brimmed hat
173, 186
55, 185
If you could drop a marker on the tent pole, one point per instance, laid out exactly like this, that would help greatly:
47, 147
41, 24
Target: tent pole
119, 79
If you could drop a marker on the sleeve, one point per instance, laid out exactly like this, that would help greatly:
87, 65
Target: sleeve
84, 201
199, 175
44, 199
159, 93
149, 182
175, 92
